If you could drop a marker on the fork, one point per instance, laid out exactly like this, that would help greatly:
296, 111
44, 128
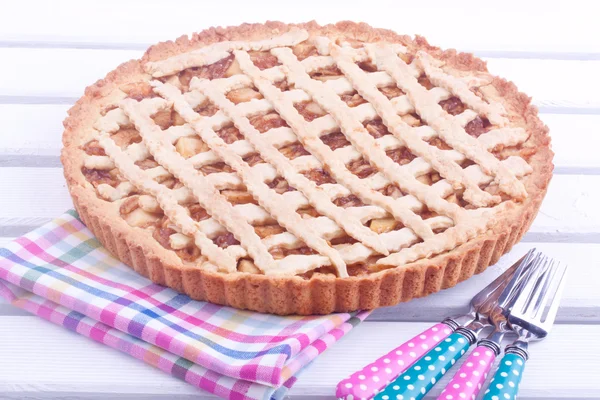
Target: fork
417, 380
530, 320
468, 380
367, 382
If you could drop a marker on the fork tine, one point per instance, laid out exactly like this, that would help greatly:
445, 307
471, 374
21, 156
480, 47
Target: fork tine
542, 300
537, 291
540, 287
513, 287
531, 273
548, 320
527, 294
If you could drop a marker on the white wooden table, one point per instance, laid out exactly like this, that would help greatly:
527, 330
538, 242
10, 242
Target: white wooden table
49, 51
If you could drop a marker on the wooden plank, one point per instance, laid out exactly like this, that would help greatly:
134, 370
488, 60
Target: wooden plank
567, 133
41, 136
70, 366
72, 23
569, 207
32, 129
580, 304
538, 78
74, 69
71, 70
36, 195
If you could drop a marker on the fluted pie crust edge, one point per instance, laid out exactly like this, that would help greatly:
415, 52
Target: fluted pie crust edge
321, 294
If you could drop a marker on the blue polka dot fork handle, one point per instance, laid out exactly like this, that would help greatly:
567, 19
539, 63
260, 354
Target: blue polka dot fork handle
421, 376
531, 317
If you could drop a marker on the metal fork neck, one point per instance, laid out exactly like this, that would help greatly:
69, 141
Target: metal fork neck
519, 347
455, 322
468, 334
451, 323
490, 344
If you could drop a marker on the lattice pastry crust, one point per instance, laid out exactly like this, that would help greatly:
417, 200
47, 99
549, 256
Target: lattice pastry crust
305, 169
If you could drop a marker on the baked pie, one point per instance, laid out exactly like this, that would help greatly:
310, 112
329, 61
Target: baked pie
306, 169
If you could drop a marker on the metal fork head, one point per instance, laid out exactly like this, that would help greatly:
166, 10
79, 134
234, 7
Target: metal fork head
534, 310
513, 288
494, 312
503, 284
489, 295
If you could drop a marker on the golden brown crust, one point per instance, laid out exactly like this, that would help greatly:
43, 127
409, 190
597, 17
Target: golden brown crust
321, 294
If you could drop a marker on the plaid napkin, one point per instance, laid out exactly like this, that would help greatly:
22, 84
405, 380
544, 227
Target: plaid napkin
61, 273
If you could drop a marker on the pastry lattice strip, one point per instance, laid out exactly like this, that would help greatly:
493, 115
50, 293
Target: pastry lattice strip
309, 138
284, 167
176, 213
356, 253
361, 139
284, 136
357, 135
452, 133
280, 136
325, 227
490, 140
207, 195
213, 53
267, 197
446, 167
160, 150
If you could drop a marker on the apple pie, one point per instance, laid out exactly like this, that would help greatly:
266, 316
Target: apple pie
305, 169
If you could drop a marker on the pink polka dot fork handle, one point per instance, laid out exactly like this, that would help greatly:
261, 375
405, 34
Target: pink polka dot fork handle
467, 382
418, 379
367, 382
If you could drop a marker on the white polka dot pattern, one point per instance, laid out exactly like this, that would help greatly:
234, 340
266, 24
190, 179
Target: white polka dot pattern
417, 380
467, 382
505, 384
369, 381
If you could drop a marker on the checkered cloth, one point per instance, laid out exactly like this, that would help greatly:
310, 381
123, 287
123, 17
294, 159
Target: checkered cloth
61, 273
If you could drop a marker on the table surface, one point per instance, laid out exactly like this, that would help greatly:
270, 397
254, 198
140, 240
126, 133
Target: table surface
51, 50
